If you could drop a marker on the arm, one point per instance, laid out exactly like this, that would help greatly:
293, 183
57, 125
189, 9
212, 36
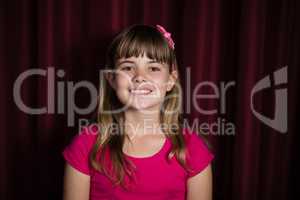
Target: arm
76, 184
199, 187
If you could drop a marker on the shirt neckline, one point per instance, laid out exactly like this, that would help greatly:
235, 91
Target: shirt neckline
156, 154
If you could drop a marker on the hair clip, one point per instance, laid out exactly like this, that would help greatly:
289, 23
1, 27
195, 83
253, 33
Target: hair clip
166, 35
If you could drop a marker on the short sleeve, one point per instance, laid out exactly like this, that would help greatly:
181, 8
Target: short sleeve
198, 154
77, 152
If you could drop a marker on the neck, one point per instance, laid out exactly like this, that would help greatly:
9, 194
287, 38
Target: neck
141, 122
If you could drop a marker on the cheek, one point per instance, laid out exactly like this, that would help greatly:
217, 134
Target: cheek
121, 89
122, 81
161, 82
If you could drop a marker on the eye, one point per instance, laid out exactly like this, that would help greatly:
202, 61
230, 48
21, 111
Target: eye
126, 68
154, 69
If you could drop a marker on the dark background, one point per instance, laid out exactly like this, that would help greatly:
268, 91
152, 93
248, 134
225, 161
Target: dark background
221, 40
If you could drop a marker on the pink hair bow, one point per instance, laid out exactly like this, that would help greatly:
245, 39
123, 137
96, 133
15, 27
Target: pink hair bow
166, 35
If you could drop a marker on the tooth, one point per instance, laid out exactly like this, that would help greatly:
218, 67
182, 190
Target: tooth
140, 91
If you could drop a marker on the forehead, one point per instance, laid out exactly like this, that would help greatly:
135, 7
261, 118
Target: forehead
134, 59
136, 48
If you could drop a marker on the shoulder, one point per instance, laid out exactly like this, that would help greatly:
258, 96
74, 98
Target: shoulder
198, 155
192, 137
76, 153
84, 138
87, 135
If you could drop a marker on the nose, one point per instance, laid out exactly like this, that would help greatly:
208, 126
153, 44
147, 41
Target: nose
139, 76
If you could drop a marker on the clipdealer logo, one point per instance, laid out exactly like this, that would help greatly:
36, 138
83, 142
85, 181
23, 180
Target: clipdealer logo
279, 122
61, 98
59, 91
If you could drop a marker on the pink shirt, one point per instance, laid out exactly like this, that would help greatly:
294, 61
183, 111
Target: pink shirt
156, 179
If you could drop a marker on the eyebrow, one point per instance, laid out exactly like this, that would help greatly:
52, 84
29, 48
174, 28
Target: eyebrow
124, 61
132, 62
153, 61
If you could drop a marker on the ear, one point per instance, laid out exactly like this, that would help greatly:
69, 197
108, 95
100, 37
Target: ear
172, 80
109, 76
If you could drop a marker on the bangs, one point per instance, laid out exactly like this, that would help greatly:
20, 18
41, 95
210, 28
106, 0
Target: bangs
143, 41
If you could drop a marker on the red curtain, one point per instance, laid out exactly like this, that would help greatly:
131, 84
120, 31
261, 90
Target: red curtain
239, 41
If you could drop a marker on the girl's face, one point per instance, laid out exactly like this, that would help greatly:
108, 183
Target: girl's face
141, 83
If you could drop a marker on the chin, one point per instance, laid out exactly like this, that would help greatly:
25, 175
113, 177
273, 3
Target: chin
147, 106
140, 102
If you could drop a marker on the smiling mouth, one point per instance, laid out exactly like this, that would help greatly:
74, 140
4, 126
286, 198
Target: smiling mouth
140, 91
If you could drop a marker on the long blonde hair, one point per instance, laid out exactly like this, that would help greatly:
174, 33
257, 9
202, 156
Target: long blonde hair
134, 41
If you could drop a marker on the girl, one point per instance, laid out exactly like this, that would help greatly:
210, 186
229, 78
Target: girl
140, 149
